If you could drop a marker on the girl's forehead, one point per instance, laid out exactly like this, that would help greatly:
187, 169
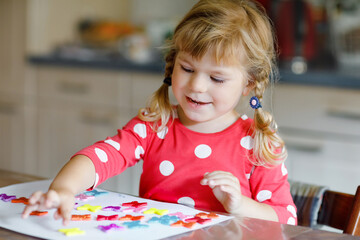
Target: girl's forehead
212, 57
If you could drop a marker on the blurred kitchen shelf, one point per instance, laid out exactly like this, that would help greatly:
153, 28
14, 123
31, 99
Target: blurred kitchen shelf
119, 64
328, 78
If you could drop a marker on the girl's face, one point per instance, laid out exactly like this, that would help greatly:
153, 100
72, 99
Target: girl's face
207, 92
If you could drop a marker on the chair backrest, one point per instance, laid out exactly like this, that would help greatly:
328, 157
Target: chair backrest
341, 211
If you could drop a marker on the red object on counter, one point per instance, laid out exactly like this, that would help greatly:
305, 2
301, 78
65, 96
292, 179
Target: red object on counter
286, 24
265, 3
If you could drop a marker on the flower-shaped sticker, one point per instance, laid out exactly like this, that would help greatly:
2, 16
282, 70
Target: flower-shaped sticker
255, 103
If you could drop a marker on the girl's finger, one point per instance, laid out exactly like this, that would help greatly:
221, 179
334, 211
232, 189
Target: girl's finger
231, 190
57, 215
217, 174
35, 197
28, 209
66, 218
220, 175
65, 212
35, 203
222, 181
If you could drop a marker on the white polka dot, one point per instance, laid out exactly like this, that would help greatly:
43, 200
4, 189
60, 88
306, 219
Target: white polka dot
247, 142
244, 117
292, 210
291, 221
101, 155
96, 179
162, 133
138, 151
202, 151
188, 201
283, 169
166, 168
116, 145
140, 129
263, 195
247, 176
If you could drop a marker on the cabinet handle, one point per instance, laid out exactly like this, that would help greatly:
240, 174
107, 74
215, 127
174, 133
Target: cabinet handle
96, 120
333, 112
303, 145
7, 108
73, 88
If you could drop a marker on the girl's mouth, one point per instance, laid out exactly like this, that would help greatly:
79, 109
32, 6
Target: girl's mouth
196, 102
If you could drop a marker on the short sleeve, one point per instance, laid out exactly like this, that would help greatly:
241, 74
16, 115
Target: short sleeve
270, 185
113, 155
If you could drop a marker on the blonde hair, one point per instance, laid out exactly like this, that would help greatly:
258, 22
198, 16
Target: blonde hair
234, 30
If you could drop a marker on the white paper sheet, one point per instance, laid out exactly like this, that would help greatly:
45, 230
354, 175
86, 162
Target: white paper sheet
47, 227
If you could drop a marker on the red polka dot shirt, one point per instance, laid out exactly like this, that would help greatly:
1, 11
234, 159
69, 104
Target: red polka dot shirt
176, 159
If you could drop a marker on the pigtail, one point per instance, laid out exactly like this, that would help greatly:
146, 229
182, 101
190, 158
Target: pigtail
269, 149
159, 109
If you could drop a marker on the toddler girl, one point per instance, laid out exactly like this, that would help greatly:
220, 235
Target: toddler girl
200, 152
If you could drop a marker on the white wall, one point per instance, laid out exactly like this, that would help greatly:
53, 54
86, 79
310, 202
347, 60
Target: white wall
51, 22
145, 10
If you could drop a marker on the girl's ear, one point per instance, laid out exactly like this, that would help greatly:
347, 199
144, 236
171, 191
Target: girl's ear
249, 87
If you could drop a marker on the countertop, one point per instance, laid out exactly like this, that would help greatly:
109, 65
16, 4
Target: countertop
331, 78
245, 229
8, 178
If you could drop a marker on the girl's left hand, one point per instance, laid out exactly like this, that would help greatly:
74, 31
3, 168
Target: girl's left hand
226, 188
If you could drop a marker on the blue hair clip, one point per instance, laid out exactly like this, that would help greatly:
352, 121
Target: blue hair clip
167, 80
255, 103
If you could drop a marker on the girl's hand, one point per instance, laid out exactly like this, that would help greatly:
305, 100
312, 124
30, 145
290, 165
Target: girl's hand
62, 200
226, 188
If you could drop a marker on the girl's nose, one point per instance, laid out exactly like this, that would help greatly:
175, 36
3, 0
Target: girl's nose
198, 83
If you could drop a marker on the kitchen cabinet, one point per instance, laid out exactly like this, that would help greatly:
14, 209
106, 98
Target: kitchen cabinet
12, 46
64, 130
321, 128
76, 108
13, 94
11, 133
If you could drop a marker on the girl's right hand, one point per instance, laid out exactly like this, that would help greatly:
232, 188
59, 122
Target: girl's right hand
62, 200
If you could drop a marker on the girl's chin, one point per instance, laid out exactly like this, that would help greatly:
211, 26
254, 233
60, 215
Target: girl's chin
191, 117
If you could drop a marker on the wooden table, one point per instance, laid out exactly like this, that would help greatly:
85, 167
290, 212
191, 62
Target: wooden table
247, 228
9, 178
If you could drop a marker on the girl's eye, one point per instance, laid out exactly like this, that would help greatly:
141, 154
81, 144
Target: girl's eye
217, 80
188, 70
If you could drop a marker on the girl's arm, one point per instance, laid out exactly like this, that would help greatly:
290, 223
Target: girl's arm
77, 175
226, 188
254, 209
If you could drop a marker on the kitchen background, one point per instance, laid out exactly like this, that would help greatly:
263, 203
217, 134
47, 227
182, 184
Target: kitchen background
72, 72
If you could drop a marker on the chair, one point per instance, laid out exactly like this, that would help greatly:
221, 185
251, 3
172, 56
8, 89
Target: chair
319, 206
341, 211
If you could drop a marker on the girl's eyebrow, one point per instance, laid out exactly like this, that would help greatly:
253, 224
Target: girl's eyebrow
184, 58
224, 74
219, 72
216, 70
